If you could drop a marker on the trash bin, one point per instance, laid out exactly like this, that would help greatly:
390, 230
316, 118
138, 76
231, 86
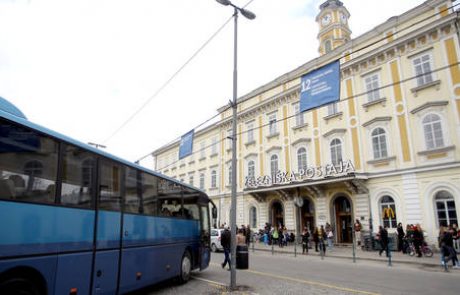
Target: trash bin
242, 257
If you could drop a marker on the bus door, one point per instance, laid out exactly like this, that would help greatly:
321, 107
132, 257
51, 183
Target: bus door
107, 256
205, 236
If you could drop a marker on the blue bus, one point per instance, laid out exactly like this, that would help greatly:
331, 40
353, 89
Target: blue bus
77, 220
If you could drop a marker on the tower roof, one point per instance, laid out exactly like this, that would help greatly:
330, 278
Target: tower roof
331, 4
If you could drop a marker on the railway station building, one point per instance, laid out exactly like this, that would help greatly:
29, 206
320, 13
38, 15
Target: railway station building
387, 152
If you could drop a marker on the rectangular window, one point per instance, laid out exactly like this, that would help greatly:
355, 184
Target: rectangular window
191, 209
190, 179
203, 149
202, 177
422, 69
372, 83
332, 109
229, 139
299, 117
250, 131
77, 177
214, 146
28, 166
110, 186
272, 124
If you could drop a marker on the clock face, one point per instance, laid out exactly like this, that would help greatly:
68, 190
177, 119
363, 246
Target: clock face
343, 18
326, 19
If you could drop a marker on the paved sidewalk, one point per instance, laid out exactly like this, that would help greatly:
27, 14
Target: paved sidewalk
347, 253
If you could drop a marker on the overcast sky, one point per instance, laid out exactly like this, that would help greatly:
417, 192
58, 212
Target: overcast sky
84, 67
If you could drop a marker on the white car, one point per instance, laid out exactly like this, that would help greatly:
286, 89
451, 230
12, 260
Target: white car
216, 234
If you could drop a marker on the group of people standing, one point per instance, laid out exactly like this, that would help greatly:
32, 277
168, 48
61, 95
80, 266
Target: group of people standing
321, 236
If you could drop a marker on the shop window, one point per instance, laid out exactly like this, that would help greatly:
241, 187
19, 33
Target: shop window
388, 212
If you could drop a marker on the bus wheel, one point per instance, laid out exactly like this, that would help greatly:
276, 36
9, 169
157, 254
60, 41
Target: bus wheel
18, 286
185, 268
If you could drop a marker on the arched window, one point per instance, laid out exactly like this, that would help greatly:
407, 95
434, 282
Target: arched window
336, 151
432, 129
213, 179
253, 217
274, 165
379, 143
251, 169
388, 211
445, 208
302, 159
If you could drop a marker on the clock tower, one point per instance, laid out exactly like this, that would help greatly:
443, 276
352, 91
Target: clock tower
333, 26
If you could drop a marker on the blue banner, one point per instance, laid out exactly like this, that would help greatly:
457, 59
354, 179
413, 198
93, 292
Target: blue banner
320, 87
186, 144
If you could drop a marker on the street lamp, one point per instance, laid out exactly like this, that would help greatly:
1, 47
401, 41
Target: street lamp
249, 15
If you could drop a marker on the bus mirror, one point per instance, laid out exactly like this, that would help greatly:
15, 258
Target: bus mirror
214, 212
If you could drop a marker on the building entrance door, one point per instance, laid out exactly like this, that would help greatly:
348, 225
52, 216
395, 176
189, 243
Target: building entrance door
307, 215
343, 220
277, 213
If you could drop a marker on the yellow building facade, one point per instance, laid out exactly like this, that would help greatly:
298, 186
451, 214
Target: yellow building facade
386, 153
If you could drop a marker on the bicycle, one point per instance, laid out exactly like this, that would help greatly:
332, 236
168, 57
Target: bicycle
424, 248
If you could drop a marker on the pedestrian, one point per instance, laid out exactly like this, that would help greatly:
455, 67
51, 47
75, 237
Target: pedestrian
305, 238
316, 238
447, 250
248, 235
357, 227
400, 237
330, 239
417, 237
225, 240
275, 236
322, 238
456, 237
265, 238
240, 237
383, 235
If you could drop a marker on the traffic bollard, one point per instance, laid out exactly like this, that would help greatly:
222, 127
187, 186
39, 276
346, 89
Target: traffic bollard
321, 249
253, 246
354, 251
295, 249
272, 248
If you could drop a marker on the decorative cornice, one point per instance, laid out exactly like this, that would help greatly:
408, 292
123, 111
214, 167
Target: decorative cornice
301, 140
376, 119
334, 131
273, 148
429, 105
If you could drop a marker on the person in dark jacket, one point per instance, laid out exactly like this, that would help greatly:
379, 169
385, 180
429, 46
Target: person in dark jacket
447, 249
418, 239
401, 235
225, 240
316, 238
305, 238
383, 234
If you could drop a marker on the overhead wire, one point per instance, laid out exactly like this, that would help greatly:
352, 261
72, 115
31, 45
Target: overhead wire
341, 100
167, 83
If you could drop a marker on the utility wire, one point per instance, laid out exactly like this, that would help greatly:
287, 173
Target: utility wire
167, 83
340, 101
348, 54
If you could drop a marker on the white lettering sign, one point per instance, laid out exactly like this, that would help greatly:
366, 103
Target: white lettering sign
283, 177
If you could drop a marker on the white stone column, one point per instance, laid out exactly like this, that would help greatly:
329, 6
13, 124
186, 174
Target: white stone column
411, 195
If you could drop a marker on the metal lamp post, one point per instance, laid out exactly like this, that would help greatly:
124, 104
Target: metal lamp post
249, 15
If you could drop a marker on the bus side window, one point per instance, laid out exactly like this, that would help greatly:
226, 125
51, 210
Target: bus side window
77, 177
110, 186
133, 191
28, 164
169, 199
191, 209
150, 194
